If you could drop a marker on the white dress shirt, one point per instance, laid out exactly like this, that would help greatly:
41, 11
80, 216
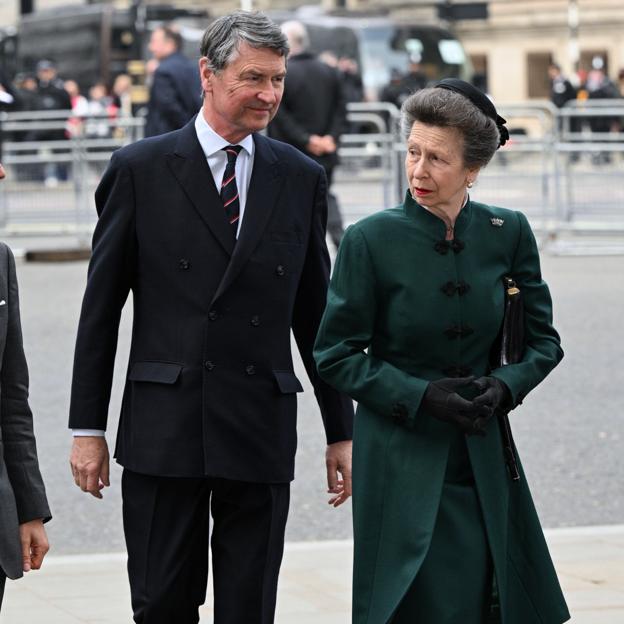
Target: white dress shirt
212, 144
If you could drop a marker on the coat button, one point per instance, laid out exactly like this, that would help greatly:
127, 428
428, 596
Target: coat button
184, 264
212, 315
250, 369
255, 321
208, 365
280, 270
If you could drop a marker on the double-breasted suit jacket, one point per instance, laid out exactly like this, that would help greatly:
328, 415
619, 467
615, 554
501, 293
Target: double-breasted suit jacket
210, 385
406, 307
22, 494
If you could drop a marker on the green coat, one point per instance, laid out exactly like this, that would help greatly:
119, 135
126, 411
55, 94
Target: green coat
404, 308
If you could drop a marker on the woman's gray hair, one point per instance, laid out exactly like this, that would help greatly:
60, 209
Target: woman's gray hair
441, 107
222, 38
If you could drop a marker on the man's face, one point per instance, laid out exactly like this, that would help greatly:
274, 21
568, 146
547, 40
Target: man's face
244, 97
46, 75
160, 46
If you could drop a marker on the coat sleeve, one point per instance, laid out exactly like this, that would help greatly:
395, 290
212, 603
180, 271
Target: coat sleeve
542, 345
18, 438
109, 280
347, 330
336, 408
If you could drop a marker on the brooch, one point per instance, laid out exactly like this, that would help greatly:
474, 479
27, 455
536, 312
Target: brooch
497, 222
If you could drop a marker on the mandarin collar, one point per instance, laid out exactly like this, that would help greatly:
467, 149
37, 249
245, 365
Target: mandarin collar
431, 222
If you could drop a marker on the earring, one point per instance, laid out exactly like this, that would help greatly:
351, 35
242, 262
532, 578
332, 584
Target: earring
469, 184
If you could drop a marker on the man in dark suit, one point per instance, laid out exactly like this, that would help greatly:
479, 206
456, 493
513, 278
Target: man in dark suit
313, 112
23, 504
175, 90
219, 233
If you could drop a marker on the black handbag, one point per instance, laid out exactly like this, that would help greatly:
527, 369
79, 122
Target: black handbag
510, 351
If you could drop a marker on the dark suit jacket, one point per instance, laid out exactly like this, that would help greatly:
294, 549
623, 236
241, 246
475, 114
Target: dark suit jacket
313, 103
22, 494
210, 387
174, 95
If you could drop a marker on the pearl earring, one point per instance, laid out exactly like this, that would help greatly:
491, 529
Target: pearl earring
469, 185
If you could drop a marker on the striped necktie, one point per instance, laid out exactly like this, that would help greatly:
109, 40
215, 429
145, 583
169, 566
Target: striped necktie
229, 190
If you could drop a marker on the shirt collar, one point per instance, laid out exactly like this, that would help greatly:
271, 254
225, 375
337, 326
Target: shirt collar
211, 142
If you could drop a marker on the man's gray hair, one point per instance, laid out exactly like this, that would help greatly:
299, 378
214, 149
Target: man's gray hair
444, 108
222, 38
297, 34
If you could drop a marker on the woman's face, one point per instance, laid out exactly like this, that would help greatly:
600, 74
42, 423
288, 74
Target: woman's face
435, 168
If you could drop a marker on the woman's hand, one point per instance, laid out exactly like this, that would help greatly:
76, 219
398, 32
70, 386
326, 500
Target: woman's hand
493, 394
443, 402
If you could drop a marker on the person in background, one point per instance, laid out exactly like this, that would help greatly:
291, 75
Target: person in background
80, 108
561, 89
51, 97
441, 532
313, 113
414, 80
23, 504
101, 110
175, 89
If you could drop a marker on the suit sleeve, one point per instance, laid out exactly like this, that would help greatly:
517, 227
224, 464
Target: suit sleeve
542, 345
336, 408
166, 100
18, 438
347, 331
109, 280
339, 117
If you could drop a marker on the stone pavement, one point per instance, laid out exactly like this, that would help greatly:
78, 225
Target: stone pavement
314, 586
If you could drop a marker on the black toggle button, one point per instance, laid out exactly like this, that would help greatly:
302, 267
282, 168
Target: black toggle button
255, 321
212, 315
250, 369
457, 371
280, 270
450, 288
458, 331
184, 264
208, 365
443, 246
399, 413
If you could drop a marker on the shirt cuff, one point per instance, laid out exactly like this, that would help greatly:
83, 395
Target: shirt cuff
79, 433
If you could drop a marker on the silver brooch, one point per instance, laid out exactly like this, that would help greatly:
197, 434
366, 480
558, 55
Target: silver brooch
497, 222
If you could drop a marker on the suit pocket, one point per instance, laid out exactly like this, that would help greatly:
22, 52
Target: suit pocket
287, 382
156, 372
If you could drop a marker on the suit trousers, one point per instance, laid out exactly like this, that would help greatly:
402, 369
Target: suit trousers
166, 526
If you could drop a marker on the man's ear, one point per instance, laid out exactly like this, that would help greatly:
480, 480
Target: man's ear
206, 75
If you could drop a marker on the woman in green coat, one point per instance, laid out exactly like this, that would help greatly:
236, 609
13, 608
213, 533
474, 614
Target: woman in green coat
442, 535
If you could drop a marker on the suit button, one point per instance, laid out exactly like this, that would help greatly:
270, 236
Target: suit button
250, 370
212, 315
279, 270
255, 321
208, 365
184, 264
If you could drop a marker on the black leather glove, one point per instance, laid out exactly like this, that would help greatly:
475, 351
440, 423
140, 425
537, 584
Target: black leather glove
493, 394
442, 401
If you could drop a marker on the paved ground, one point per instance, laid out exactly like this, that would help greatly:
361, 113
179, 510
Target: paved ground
314, 586
569, 430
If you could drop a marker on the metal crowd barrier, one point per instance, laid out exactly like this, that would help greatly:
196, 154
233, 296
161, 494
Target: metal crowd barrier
562, 167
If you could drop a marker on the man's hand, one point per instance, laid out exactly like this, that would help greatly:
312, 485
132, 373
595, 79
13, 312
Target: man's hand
338, 462
2, 173
89, 464
34, 544
316, 145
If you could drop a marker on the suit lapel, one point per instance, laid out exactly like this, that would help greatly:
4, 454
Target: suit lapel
264, 190
190, 168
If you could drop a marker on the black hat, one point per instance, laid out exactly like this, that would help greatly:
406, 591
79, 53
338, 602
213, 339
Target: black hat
480, 100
